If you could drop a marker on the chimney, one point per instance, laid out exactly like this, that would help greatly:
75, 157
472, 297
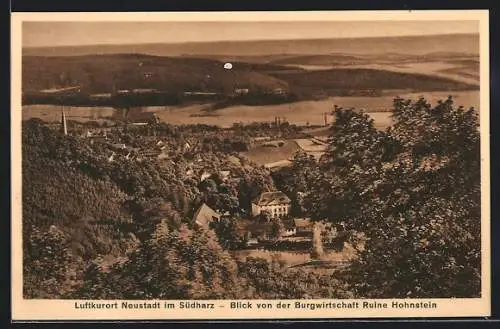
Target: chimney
64, 127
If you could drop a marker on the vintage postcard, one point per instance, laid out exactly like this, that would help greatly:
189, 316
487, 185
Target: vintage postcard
250, 165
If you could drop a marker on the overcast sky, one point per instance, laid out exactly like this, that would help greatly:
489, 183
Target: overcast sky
39, 34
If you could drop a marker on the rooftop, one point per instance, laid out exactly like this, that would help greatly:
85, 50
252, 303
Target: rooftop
300, 222
268, 198
204, 215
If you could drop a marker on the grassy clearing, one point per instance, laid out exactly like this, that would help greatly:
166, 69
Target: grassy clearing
265, 154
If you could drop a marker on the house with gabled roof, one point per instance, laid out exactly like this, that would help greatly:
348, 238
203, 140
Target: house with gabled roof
204, 175
205, 215
303, 225
277, 204
225, 175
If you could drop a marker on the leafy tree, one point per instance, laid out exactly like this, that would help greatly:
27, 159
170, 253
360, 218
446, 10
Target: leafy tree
414, 190
261, 279
277, 229
218, 196
349, 166
208, 185
171, 265
251, 186
227, 232
295, 181
50, 268
265, 216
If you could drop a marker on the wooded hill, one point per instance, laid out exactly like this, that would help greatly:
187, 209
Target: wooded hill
108, 73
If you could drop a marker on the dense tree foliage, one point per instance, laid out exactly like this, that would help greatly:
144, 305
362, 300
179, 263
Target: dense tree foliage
172, 264
229, 236
295, 181
415, 191
408, 198
95, 228
267, 280
50, 267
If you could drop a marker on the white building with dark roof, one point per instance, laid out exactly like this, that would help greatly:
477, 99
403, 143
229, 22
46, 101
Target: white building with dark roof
277, 204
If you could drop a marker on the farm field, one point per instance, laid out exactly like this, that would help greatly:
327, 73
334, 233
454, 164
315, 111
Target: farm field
310, 145
264, 154
280, 156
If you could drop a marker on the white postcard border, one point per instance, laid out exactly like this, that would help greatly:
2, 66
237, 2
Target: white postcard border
23, 309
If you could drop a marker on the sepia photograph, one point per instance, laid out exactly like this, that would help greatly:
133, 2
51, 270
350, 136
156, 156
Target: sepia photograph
331, 164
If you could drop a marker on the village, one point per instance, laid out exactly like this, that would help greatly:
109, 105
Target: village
268, 224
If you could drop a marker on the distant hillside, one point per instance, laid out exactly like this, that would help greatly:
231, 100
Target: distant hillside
340, 59
324, 59
416, 45
98, 74
343, 81
106, 73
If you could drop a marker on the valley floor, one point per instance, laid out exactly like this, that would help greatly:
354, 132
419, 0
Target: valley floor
300, 113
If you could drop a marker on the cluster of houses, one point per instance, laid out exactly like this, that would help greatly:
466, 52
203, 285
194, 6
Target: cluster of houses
96, 134
256, 230
126, 152
265, 208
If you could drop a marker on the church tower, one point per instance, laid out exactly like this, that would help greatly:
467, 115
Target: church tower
64, 127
